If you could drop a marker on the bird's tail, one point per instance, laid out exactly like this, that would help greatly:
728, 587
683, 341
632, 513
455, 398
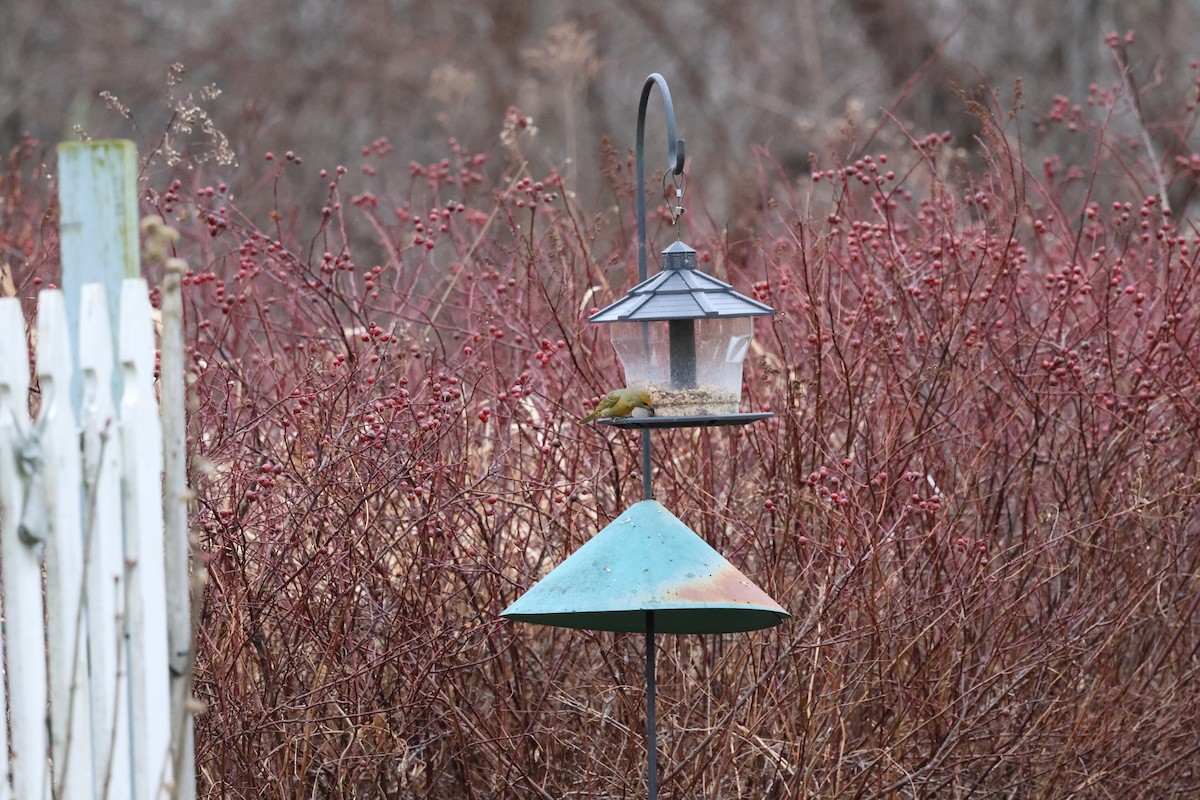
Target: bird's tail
589, 418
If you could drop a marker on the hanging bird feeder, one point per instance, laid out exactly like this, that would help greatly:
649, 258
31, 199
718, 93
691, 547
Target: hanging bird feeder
683, 337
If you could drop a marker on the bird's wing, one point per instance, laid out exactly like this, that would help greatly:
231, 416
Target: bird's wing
608, 402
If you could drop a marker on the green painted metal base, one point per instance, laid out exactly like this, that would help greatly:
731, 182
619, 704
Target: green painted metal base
647, 560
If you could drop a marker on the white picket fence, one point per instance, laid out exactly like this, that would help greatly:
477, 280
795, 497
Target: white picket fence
84, 600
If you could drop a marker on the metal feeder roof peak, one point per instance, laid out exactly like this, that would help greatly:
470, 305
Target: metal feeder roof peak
680, 291
679, 256
647, 560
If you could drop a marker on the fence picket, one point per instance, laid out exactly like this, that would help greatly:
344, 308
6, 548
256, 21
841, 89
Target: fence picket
70, 725
22, 571
142, 448
105, 553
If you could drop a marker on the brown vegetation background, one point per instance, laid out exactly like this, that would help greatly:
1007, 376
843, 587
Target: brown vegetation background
324, 78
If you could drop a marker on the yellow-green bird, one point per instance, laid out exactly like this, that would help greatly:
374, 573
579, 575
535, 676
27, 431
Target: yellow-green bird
620, 403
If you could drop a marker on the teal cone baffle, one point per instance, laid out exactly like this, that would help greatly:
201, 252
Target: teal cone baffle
647, 560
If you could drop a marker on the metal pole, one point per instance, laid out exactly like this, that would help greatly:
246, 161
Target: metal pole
647, 485
651, 734
675, 159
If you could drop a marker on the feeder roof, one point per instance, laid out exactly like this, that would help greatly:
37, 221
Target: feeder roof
647, 560
680, 291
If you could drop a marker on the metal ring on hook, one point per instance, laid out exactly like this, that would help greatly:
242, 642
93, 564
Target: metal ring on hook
675, 157
679, 181
674, 196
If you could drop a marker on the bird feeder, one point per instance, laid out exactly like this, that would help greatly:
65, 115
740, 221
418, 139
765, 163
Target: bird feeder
682, 337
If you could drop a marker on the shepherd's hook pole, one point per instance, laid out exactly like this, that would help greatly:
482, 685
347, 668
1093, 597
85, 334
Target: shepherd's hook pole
651, 734
675, 167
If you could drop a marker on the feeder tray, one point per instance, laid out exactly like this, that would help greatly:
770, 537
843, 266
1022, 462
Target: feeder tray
705, 421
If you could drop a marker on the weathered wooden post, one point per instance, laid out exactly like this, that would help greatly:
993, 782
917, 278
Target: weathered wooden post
98, 228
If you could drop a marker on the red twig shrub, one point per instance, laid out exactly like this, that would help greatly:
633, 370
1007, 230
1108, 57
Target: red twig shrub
978, 496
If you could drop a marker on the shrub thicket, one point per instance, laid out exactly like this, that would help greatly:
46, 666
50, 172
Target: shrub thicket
978, 496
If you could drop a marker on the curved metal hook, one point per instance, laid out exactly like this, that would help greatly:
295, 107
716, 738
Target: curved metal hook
675, 157
674, 146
